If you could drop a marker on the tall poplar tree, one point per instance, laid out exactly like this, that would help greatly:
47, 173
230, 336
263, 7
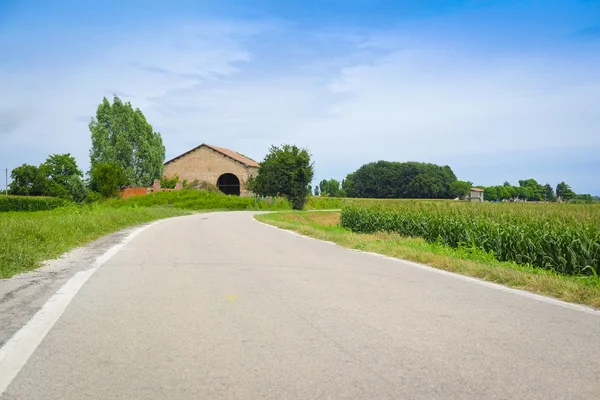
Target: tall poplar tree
122, 136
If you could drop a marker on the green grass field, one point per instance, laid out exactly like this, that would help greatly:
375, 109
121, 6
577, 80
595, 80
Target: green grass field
463, 260
28, 238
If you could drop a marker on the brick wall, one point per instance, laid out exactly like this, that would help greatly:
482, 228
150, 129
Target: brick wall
131, 192
208, 165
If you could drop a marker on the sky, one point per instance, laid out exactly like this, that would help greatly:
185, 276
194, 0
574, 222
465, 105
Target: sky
499, 90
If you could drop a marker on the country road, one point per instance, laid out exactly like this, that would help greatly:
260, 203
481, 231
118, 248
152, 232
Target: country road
218, 306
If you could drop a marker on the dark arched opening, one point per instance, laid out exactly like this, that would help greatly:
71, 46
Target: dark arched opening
229, 184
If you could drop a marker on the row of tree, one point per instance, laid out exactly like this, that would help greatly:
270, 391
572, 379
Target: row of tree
529, 190
58, 176
125, 152
385, 179
331, 188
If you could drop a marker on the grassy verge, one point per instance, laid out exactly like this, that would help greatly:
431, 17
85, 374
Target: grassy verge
202, 200
465, 261
335, 203
28, 238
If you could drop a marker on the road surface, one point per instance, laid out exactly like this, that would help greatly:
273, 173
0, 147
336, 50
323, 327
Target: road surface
219, 306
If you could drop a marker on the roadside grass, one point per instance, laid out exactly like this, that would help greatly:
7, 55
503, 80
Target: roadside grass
201, 200
28, 238
335, 203
465, 261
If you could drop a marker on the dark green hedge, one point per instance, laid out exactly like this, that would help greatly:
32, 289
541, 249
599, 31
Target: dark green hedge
30, 203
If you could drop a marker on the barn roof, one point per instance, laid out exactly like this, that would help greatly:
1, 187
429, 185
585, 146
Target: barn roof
234, 155
476, 190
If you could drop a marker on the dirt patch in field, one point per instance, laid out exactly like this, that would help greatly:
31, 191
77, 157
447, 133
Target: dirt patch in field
325, 219
319, 218
293, 217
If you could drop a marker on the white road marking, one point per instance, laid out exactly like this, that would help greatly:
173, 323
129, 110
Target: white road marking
15, 353
524, 293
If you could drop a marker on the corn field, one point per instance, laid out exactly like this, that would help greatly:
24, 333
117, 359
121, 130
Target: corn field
561, 237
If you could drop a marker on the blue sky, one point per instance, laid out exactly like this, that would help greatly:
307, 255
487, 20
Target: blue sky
498, 90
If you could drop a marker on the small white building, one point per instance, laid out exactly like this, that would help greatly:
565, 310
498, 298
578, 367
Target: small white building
476, 195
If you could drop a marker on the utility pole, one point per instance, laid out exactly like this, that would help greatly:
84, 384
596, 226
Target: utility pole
6, 182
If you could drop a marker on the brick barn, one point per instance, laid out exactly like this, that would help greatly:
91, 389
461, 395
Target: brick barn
225, 168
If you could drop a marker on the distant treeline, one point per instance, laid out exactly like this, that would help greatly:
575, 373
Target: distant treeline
385, 179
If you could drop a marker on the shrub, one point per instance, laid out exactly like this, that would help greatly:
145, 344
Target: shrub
201, 185
93, 196
33, 203
106, 179
76, 188
285, 171
169, 183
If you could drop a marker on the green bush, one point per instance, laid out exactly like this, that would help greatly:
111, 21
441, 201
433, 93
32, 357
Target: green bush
93, 197
169, 183
560, 237
106, 179
201, 185
30, 203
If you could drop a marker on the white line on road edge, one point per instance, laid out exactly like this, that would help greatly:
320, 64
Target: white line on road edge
15, 353
492, 285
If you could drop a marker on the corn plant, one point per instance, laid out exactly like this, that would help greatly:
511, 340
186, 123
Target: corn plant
560, 237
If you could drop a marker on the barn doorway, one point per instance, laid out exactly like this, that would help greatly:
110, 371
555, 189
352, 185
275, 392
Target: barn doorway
229, 184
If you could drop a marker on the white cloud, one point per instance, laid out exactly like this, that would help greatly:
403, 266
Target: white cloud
203, 83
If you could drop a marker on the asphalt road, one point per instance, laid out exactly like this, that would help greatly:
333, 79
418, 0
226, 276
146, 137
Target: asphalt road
218, 306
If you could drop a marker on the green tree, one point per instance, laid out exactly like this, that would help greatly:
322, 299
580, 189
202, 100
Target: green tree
317, 191
460, 188
526, 193
564, 192
76, 188
490, 193
122, 136
330, 188
323, 188
348, 186
106, 179
549, 193
424, 186
169, 183
536, 192
27, 180
584, 198
504, 192
285, 171
60, 168
385, 179
55, 177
